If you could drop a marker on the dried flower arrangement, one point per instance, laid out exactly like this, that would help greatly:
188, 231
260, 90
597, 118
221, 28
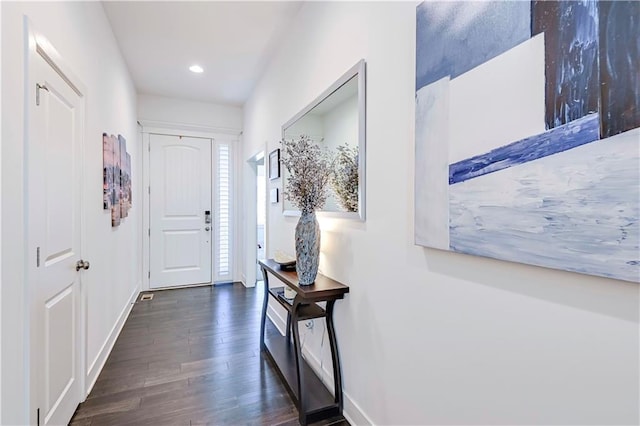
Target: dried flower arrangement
309, 168
344, 179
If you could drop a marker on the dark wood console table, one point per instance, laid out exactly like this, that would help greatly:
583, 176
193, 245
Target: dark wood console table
313, 399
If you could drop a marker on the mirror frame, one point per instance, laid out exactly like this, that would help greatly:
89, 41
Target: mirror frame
358, 70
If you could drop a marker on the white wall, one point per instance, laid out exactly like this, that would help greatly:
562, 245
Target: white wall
181, 111
1, 138
425, 336
82, 35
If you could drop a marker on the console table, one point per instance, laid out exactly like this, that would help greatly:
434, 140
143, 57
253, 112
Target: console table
312, 398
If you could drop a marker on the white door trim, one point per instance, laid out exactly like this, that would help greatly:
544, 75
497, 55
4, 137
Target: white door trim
187, 129
173, 129
37, 46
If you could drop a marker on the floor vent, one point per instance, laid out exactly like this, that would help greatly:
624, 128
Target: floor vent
147, 296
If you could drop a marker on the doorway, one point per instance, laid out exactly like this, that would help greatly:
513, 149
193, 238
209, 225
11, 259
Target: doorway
180, 216
256, 218
55, 273
261, 214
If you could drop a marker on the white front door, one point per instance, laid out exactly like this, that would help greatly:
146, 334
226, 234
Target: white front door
54, 185
180, 198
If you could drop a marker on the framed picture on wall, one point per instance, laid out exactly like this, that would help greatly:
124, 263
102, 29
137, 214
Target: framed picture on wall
274, 164
273, 196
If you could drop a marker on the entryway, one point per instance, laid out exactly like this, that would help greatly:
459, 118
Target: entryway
189, 203
180, 211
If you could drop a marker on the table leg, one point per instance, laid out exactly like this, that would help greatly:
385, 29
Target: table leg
337, 371
288, 333
265, 302
298, 353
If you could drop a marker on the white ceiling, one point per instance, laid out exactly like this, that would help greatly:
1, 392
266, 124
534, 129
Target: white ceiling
231, 40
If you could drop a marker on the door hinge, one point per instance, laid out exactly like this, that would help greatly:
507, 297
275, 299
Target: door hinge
149, 147
38, 87
149, 189
149, 274
38, 257
149, 231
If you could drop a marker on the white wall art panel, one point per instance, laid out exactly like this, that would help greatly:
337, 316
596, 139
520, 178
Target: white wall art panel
432, 168
497, 102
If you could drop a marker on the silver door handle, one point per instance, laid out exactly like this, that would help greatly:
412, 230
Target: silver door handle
82, 264
206, 228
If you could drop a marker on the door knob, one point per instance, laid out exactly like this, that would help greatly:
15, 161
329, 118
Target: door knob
206, 228
82, 264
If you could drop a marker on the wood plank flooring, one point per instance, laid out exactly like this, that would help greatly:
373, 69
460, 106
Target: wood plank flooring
191, 357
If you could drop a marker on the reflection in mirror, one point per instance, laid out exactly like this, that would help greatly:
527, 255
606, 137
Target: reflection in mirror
336, 121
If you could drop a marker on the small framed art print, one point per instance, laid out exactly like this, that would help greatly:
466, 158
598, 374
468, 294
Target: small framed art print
274, 164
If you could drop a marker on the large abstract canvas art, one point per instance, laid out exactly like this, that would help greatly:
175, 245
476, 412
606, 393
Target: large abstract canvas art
528, 132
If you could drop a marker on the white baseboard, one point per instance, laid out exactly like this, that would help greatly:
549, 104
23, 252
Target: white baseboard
98, 363
353, 413
351, 410
244, 283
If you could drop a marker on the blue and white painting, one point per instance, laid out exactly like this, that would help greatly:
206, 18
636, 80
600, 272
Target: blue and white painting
528, 132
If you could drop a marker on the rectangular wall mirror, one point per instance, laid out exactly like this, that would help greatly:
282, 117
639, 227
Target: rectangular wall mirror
333, 119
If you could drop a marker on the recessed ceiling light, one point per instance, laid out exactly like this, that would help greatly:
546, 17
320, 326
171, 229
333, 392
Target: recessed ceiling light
196, 68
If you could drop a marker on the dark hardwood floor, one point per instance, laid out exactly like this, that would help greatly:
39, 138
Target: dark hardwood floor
187, 357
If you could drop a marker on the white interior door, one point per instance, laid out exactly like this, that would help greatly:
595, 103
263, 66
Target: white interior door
54, 185
180, 197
